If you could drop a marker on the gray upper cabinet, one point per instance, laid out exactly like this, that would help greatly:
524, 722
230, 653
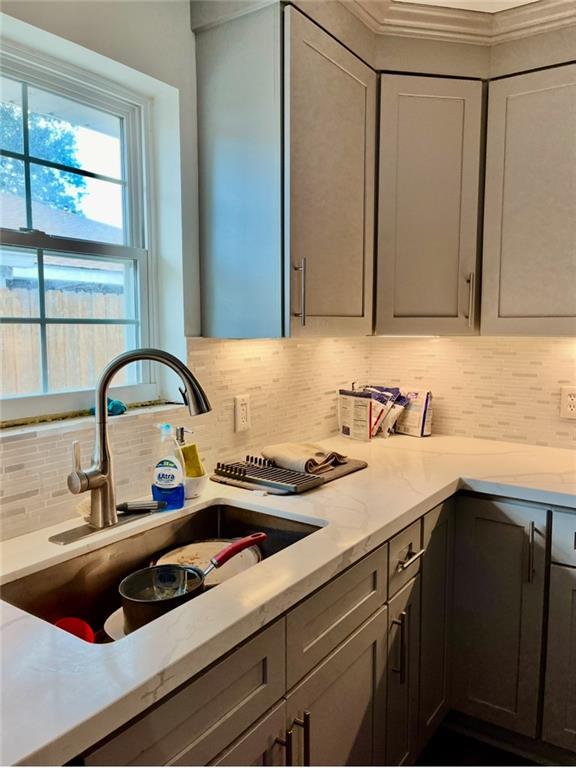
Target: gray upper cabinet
286, 187
499, 578
330, 114
430, 149
529, 283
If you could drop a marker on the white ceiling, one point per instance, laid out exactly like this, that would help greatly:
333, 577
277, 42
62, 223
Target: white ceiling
486, 6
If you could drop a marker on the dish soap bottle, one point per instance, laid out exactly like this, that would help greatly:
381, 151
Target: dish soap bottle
168, 482
195, 476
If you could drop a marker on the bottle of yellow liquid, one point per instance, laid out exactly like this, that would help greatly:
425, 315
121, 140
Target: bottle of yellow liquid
194, 473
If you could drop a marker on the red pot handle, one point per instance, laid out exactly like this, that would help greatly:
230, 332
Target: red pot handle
235, 548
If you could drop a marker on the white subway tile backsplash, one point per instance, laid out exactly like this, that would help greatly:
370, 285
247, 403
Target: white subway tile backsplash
498, 388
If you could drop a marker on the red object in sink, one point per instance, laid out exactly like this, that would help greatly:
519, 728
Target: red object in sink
77, 627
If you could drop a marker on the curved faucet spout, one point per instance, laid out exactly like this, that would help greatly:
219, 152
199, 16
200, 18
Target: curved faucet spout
99, 478
193, 394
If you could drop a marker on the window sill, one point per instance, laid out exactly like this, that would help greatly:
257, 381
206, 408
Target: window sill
75, 421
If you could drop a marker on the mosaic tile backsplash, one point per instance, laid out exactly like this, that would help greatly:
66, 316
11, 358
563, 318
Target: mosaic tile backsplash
496, 388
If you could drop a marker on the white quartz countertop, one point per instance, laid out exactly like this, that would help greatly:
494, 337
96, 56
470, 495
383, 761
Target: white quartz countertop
60, 695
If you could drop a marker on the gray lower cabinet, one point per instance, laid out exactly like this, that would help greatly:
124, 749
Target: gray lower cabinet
320, 623
499, 580
428, 255
529, 266
287, 133
403, 675
338, 712
436, 619
560, 694
263, 744
191, 727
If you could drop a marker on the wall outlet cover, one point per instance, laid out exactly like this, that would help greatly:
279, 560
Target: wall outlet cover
241, 413
568, 402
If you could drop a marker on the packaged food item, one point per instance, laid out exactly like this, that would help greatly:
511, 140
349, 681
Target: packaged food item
416, 419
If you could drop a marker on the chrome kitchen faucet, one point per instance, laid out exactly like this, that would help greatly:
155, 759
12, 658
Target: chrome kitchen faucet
99, 478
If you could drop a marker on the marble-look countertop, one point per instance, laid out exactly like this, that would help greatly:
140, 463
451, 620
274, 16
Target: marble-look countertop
60, 695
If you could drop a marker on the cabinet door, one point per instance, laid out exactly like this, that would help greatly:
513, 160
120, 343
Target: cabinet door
316, 626
436, 619
345, 698
330, 127
499, 601
263, 744
564, 538
403, 673
239, 75
430, 145
560, 699
530, 207
192, 726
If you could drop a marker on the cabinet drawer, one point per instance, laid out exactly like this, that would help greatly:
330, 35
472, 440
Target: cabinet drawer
191, 726
564, 538
322, 622
403, 564
261, 745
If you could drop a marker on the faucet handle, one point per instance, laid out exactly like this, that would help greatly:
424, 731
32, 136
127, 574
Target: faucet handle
76, 456
77, 479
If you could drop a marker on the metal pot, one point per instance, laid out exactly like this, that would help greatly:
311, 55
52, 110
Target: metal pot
151, 592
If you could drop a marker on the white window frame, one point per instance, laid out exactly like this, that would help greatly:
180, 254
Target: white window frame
65, 79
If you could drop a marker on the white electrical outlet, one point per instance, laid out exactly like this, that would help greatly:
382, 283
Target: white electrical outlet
568, 402
241, 413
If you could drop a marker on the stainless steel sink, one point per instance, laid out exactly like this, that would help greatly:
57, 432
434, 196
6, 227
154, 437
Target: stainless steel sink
87, 586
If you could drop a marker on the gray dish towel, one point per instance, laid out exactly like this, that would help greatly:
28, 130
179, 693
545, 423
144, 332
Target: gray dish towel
303, 457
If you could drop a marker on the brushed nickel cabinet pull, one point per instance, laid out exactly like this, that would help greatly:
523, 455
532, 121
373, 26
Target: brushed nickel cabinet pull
305, 724
302, 270
411, 558
531, 545
287, 743
471, 280
401, 669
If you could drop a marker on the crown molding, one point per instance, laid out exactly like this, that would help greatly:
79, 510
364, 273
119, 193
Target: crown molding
387, 17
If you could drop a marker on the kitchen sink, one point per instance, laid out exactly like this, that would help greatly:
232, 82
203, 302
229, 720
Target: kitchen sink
87, 586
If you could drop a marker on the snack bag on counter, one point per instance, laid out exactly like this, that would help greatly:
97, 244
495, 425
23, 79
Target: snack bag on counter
355, 414
416, 419
369, 410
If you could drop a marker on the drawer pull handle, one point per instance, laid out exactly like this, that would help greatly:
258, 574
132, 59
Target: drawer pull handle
305, 724
471, 280
410, 558
287, 743
531, 545
302, 270
401, 668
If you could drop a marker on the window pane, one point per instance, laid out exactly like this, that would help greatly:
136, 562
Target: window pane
71, 205
12, 194
77, 354
94, 288
20, 361
11, 135
68, 133
18, 283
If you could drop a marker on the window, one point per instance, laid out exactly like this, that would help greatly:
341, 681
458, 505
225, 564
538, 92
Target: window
73, 257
